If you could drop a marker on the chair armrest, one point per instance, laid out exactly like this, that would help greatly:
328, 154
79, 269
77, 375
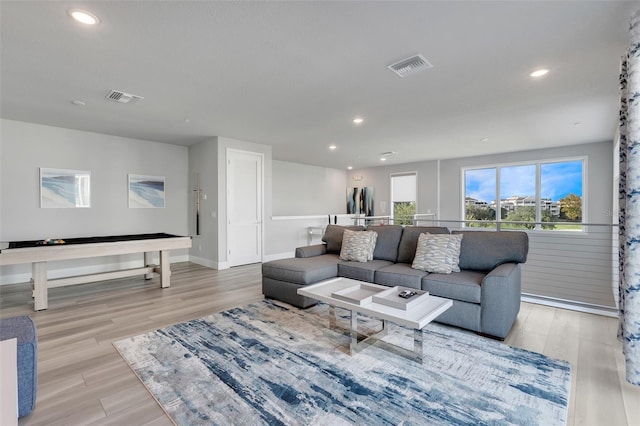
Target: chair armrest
311, 251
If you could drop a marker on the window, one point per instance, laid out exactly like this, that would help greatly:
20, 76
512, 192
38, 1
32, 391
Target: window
403, 198
543, 195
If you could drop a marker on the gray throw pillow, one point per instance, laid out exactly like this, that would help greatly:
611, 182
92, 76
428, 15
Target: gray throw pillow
358, 245
439, 253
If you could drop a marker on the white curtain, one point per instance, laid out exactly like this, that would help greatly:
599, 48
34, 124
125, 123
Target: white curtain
629, 330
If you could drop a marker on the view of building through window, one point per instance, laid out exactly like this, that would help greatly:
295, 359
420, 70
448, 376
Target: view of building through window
545, 195
403, 198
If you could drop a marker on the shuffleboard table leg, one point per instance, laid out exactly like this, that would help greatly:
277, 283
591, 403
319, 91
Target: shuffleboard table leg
40, 293
148, 262
165, 269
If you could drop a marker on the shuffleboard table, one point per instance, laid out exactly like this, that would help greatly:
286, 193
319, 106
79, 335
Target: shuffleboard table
38, 253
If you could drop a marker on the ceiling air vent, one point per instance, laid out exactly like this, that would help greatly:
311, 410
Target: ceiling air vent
122, 97
410, 65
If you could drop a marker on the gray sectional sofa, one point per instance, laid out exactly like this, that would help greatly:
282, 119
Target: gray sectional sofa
485, 293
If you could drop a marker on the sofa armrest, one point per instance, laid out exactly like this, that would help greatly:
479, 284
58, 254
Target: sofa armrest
311, 251
500, 299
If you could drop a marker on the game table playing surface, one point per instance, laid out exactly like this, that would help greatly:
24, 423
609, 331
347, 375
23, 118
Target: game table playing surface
85, 240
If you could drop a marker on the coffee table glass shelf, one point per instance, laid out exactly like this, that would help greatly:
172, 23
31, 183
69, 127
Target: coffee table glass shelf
380, 302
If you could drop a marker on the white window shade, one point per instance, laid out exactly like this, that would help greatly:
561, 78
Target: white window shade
403, 188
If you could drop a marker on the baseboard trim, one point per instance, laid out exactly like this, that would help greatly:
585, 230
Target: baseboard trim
607, 311
203, 262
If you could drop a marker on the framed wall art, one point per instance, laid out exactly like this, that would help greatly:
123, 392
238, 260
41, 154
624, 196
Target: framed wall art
62, 188
146, 191
360, 200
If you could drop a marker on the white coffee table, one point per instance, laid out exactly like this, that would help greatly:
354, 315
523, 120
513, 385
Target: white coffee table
415, 317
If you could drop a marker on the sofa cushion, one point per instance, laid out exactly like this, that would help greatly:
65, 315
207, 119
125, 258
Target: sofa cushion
333, 236
361, 271
307, 270
400, 274
388, 241
358, 245
409, 240
438, 253
484, 250
464, 285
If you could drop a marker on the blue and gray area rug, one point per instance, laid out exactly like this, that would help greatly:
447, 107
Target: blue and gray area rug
269, 363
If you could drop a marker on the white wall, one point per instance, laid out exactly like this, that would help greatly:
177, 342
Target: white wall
303, 196
203, 160
301, 189
27, 147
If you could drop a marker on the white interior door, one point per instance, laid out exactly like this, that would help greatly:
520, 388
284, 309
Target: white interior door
244, 207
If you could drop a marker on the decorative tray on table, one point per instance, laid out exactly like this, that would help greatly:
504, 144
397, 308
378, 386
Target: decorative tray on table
361, 294
401, 297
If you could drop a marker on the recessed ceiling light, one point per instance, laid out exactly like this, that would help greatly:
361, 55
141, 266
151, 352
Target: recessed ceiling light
484, 140
83, 16
539, 73
383, 158
332, 147
358, 120
349, 168
78, 103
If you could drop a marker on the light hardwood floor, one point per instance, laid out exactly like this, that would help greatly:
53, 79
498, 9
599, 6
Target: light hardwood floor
82, 379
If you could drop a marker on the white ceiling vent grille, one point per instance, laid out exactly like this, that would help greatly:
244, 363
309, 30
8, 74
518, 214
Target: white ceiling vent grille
122, 97
410, 65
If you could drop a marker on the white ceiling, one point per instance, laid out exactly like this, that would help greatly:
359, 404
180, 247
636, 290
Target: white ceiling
294, 74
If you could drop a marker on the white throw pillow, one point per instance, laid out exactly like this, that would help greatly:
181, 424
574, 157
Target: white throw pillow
438, 253
358, 245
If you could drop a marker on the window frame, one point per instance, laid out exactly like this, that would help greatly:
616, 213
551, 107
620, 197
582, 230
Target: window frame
538, 184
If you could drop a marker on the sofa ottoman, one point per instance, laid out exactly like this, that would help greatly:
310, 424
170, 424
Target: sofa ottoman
281, 279
24, 330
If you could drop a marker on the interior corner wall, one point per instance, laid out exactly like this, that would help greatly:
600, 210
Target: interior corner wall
203, 161
225, 143
26, 147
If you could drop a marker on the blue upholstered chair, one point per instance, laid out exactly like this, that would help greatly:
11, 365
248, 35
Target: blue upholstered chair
23, 329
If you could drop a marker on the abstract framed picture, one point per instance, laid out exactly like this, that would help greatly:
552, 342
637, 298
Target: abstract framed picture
360, 200
62, 188
146, 191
